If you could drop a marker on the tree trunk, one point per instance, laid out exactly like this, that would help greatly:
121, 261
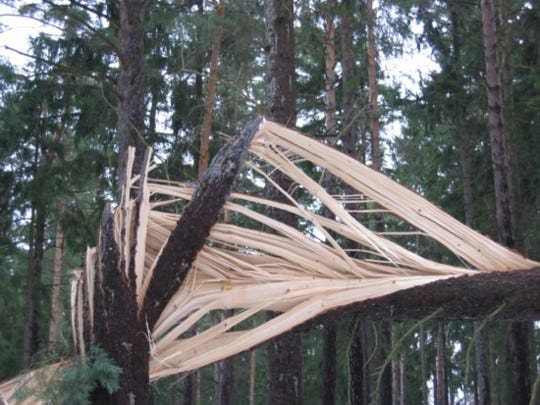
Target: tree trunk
330, 329
518, 345
499, 153
284, 355
482, 365
56, 306
204, 151
330, 68
357, 363
131, 85
348, 79
373, 88
120, 325
441, 396
329, 364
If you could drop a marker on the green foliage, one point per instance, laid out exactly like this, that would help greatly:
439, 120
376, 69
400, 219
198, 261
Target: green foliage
77, 380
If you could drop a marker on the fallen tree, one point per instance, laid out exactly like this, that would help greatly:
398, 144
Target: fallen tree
157, 274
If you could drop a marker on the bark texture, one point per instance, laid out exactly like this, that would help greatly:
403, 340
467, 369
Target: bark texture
204, 151
120, 326
284, 354
131, 85
499, 154
56, 306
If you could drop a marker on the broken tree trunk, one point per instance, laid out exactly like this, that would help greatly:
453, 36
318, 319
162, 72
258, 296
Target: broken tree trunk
121, 325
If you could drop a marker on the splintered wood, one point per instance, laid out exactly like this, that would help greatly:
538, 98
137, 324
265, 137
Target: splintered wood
256, 263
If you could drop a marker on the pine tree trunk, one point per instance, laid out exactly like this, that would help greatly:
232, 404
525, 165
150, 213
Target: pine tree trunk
348, 78
357, 361
56, 306
482, 366
329, 363
373, 88
204, 151
518, 345
441, 397
131, 85
499, 153
330, 69
330, 329
284, 354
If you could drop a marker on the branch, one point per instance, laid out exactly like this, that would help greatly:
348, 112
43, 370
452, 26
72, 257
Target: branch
195, 223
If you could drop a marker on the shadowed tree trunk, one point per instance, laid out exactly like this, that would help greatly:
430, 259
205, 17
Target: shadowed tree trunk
284, 355
441, 393
204, 151
519, 348
131, 85
330, 329
56, 306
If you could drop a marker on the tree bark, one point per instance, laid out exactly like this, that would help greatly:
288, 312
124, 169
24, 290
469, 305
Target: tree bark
204, 151
284, 355
120, 326
373, 88
441, 393
56, 306
131, 85
499, 154
348, 79
518, 345
330, 69
329, 363
357, 364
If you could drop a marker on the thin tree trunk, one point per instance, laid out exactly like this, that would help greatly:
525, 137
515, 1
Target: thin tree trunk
519, 349
252, 372
357, 361
373, 88
56, 306
330, 329
348, 79
482, 366
330, 68
402, 380
499, 153
204, 151
131, 85
423, 366
329, 363
223, 394
396, 370
284, 354
441, 397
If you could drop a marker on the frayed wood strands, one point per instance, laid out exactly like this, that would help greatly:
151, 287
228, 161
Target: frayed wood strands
334, 260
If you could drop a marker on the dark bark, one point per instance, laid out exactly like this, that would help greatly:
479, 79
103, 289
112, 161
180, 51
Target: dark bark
441, 393
520, 362
33, 281
195, 223
348, 80
131, 85
223, 393
518, 346
119, 327
373, 88
459, 298
483, 386
356, 366
284, 355
499, 154
329, 363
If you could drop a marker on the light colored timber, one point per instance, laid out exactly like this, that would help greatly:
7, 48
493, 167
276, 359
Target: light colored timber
335, 261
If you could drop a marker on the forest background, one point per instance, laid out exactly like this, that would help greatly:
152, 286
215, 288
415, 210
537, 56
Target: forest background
59, 151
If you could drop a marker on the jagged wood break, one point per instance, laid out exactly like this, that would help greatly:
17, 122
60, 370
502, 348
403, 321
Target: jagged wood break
257, 263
